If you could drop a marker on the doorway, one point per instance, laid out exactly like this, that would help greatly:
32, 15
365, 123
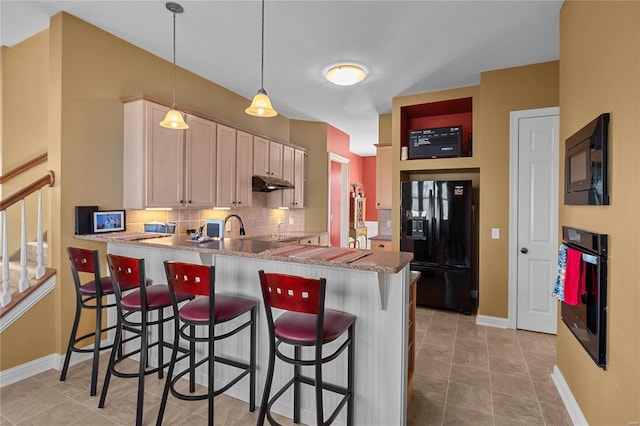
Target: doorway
338, 200
533, 219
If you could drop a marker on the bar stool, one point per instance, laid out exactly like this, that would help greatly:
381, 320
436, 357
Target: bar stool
88, 296
199, 280
305, 323
133, 316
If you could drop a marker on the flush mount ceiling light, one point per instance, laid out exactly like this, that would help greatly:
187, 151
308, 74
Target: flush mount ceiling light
346, 74
174, 118
261, 104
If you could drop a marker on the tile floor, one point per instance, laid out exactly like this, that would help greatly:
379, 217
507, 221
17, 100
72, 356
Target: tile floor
465, 375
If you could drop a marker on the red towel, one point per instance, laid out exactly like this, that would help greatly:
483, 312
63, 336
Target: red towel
574, 281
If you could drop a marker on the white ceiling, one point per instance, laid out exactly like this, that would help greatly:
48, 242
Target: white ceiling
408, 46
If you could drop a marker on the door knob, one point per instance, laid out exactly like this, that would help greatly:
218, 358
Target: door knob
524, 250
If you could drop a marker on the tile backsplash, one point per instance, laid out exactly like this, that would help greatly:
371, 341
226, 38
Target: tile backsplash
257, 220
384, 218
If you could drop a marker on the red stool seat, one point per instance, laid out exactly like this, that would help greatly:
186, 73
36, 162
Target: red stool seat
107, 287
226, 307
157, 297
300, 327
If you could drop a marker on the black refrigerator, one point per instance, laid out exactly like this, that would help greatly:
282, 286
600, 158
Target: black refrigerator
437, 220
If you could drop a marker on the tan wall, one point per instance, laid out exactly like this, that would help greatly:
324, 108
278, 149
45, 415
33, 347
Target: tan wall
384, 129
89, 71
313, 136
600, 72
502, 91
24, 80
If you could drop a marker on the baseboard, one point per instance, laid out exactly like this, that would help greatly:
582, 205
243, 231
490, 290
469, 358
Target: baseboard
40, 365
492, 321
570, 403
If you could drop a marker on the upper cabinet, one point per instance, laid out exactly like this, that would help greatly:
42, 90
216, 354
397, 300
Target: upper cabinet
267, 157
165, 167
234, 167
200, 156
383, 177
293, 167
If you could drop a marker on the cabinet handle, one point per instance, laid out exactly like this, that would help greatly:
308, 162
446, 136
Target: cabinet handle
239, 202
189, 201
380, 245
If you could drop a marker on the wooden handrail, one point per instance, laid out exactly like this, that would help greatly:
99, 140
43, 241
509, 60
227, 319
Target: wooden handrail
23, 167
46, 180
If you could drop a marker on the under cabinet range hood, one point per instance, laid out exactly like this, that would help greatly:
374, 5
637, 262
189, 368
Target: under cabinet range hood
268, 184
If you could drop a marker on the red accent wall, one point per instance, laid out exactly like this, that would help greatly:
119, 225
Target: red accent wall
338, 143
369, 183
334, 231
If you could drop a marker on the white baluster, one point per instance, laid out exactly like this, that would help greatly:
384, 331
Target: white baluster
6, 296
40, 263
24, 281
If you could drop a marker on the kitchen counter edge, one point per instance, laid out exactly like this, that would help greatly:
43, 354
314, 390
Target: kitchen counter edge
378, 261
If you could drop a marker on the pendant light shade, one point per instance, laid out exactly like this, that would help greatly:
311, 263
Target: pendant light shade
261, 104
174, 118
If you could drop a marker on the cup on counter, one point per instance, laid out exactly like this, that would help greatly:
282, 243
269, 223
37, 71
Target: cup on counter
404, 153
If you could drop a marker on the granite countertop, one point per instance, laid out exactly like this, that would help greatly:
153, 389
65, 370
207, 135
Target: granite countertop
278, 250
381, 238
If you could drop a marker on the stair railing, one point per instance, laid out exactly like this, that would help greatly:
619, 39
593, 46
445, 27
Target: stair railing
20, 196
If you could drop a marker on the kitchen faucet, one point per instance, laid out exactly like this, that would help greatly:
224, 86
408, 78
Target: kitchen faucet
239, 220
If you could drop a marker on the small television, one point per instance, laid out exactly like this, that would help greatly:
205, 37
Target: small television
587, 164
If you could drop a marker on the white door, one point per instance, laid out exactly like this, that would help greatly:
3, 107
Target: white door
536, 241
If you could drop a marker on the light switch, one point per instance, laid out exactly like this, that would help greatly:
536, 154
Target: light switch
291, 220
495, 233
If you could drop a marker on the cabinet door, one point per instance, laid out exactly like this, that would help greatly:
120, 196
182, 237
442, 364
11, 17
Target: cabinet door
164, 161
244, 169
287, 174
298, 178
200, 164
383, 177
275, 159
226, 167
260, 156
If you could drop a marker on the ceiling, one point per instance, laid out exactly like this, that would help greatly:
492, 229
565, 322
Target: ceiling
408, 46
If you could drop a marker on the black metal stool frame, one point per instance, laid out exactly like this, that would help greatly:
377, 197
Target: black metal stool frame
88, 301
297, 362
187, 331
140, 330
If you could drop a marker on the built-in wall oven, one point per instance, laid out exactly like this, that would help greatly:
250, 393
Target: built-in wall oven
588, 319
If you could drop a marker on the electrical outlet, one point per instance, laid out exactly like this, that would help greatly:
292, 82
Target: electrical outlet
388, 224
228, 227
495, 233
291, 221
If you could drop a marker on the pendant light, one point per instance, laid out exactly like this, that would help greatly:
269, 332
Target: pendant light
261, 105
174, 118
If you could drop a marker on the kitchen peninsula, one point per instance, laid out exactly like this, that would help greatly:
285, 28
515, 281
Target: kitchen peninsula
372, 285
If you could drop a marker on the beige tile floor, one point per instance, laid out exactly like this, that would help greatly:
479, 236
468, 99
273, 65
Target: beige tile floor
465, 375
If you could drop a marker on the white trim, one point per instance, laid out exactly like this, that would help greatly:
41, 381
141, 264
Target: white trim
492, 321
26, 304
344, 195
570, 403
515, 116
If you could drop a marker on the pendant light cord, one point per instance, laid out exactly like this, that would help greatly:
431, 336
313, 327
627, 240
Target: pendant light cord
262, 53
173, 105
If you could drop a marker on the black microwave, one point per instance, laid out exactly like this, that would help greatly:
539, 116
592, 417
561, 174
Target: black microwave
587, 164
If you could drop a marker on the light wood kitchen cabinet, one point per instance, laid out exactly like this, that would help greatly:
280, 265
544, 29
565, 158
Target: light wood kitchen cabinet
166, 168
293, 167
234, 168
267, 157
200, 158
380, 245
383, 177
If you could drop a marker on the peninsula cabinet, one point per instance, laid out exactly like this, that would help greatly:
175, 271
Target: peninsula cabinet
166, 168
234, 168
383, 176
